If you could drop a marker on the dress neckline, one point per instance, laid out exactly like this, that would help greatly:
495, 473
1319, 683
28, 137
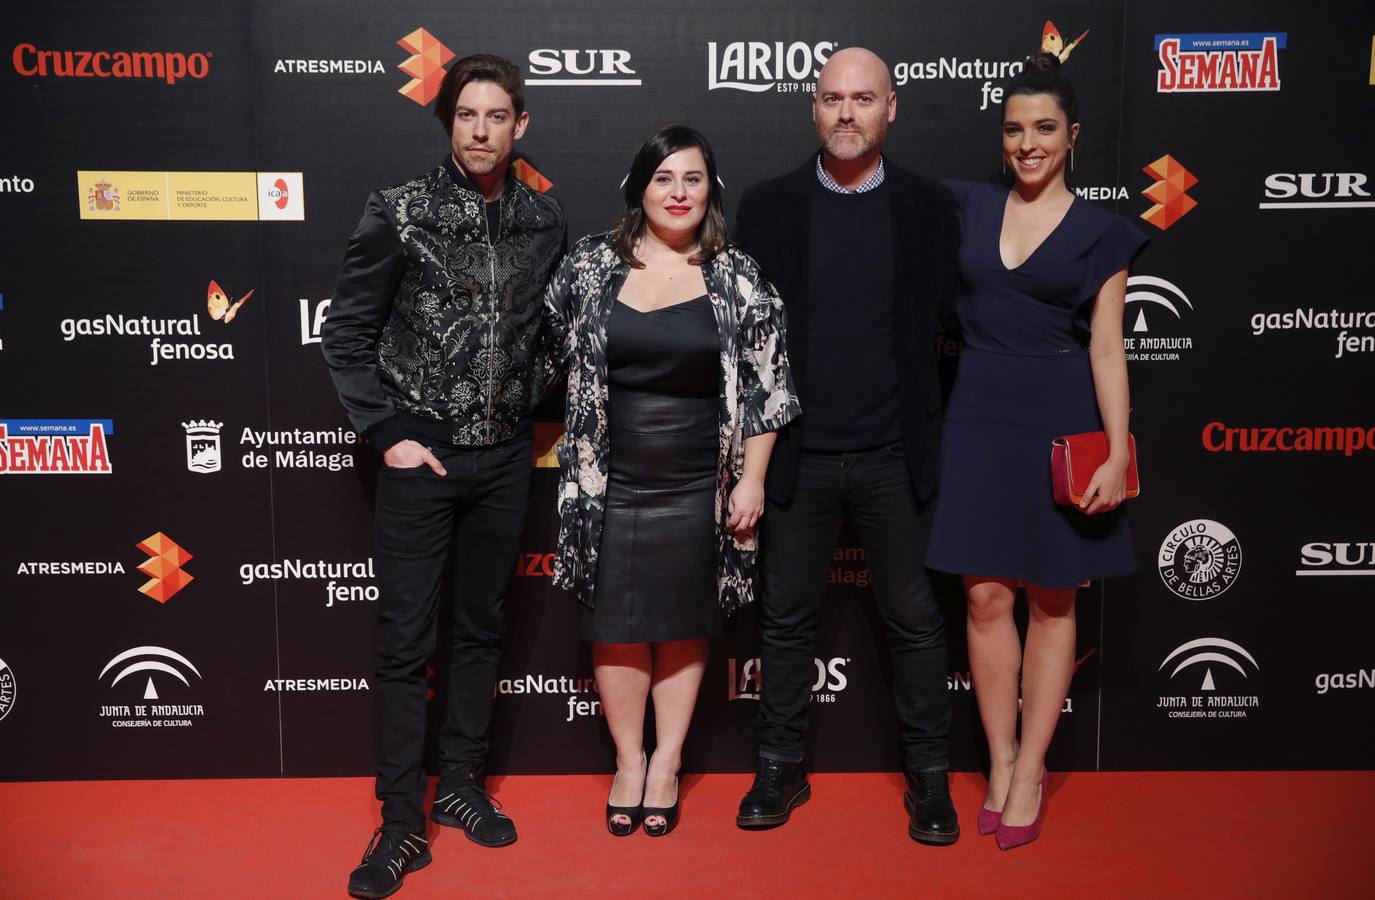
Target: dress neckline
1002, 220
650, 312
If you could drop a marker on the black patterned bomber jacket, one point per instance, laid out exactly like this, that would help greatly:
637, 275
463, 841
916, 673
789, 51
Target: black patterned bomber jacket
434, 324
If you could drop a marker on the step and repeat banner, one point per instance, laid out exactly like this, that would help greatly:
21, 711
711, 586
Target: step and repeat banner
185, 581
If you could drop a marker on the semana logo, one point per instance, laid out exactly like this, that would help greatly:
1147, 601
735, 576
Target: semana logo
425, 65
743, 680
31, 62
1199, 559
55, 446
332, 573
17, 184
1310, 319
1337, 558
1317, 190
573, 688
166, 577
1206, 63
592, 68
1214, 655
759, 66
1154, 337
1169, 192
115, 196
158, 662
1348, 440
8, 690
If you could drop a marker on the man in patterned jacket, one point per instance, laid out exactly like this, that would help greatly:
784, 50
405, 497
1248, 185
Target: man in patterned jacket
432, 342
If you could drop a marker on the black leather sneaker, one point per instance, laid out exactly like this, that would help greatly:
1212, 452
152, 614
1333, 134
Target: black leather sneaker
390, 855
779, 788
932, 812
461, 801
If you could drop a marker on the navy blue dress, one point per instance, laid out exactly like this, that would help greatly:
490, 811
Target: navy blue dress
1024, 378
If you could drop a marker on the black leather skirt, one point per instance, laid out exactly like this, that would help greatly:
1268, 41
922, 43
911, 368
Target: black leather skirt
656, 575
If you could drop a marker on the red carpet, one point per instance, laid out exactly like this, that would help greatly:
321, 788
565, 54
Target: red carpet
1214, 835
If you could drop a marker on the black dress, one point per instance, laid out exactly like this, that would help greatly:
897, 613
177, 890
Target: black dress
656, 580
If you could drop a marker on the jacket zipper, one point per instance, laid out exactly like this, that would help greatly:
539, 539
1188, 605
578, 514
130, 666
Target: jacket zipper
492, 298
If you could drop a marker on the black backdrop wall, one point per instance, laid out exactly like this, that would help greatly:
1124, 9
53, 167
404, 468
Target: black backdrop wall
184, 579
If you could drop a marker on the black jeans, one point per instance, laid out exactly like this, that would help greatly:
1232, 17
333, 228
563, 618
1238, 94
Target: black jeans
874, 491
477, 514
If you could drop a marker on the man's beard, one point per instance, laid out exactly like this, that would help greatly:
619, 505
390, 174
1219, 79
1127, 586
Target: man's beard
477, 163
844, 146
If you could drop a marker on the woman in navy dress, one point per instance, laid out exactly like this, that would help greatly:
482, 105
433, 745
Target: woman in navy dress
1044, 279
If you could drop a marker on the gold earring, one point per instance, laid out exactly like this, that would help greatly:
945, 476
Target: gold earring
1071, 157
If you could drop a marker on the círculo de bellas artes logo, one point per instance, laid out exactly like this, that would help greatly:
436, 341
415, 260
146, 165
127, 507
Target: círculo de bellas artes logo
169, 66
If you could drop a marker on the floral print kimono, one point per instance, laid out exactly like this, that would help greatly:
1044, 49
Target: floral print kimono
756, 396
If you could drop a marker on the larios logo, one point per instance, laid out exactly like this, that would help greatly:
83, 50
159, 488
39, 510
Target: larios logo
1169, 192
55, 446
757, 66
1311, 319
32, 62
1205, 63
595, 68
1145, 341
312, 324
743, 681
1339, 558
1347, 440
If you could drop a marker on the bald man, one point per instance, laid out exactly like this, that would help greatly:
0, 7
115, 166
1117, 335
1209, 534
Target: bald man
863, 254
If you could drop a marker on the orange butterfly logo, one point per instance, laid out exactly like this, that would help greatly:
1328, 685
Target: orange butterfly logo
1052, 43
217, 303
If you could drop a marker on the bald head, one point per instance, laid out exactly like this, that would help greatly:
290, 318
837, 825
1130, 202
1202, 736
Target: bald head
853, 104
856, 65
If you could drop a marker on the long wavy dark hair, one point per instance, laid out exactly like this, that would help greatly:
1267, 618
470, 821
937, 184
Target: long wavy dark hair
663, 143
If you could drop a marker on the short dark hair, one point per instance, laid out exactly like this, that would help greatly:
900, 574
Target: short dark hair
1041, 75
478, 67
663, 143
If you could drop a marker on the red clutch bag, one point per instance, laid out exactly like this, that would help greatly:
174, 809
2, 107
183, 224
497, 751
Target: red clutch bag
1075, 457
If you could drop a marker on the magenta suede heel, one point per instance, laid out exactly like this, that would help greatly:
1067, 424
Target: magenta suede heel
988, 820
1010, 836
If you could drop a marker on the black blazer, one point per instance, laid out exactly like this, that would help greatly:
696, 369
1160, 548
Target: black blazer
773, 226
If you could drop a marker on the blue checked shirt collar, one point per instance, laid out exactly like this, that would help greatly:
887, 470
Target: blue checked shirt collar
831, 184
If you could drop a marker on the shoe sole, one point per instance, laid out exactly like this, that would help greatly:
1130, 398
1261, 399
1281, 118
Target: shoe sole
936, 838
798, 799
419, 863
451, 822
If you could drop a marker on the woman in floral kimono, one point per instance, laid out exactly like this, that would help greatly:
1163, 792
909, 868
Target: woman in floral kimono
678, 378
